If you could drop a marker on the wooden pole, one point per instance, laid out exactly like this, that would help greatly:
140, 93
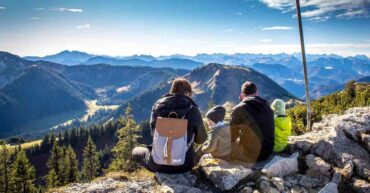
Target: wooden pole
304, 65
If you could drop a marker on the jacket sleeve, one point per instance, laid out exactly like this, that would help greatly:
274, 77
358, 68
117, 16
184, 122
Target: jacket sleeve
199, 129
211, 143
153, 120
235, 121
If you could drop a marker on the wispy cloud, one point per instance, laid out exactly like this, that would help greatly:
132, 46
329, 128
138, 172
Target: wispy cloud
320, 9
230, 30
83, 26
277, 28
239, 13
353, 14
62, 9
2, 8
39, 8
265, 40
319, 18
34, 18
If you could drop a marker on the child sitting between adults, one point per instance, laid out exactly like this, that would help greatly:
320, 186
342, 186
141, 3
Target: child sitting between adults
218, 144
283, 125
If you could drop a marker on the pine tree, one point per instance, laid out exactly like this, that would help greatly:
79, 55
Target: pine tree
350, 88
45, 144
73, 138
64, 166
23, 174
54, 163
5, 169
104, 155
52, 179
127, 139
91, 161
66, 137
73, 174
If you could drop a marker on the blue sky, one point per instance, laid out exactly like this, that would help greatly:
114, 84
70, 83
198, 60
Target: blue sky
163, 27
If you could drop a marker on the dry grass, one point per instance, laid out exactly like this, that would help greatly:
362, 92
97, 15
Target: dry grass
140, 175
93, 107
24, 146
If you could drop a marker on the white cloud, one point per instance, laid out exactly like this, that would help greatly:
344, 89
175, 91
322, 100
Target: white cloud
39, 9
240, 13
324, 8
62, 9
277, 28
324, 18
230, 30
34, 18
2, 8
83, 26
265, 40
353, 14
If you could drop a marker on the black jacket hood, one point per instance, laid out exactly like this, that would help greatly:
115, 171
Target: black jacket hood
258, 103
180, 104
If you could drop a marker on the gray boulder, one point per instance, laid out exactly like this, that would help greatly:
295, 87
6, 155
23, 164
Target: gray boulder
365, 139
179, 183
281, 166
224, 175
317, 166
332, 187
266, 187
246, 190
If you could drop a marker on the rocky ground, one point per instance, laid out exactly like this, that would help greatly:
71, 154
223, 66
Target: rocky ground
334, 157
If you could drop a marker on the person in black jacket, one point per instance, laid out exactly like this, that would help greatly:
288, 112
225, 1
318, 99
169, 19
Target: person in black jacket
252, 126
178, 100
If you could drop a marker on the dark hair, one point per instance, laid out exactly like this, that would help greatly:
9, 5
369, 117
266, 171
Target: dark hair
249, 88
181, 86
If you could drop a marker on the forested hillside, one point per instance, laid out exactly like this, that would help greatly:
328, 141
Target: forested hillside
36, 94
353, 95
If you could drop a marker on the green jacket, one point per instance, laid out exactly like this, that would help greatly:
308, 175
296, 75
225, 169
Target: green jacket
283, 128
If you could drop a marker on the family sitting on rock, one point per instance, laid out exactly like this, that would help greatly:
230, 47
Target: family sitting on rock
252, 135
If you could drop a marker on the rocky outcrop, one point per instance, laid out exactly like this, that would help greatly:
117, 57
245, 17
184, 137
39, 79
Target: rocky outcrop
332, 158
177, 183
338, 144
335, 140
280, 166
224, 175
112, 185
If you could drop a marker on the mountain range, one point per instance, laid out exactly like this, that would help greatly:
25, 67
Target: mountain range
71, 58
212, 83
326, 71
39, 92
38, 95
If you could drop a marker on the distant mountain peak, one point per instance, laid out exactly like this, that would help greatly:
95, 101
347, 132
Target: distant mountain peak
72, 51
7, 54
363, 57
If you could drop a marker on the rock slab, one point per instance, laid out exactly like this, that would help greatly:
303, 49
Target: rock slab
177, 183
222, 174
281, 166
